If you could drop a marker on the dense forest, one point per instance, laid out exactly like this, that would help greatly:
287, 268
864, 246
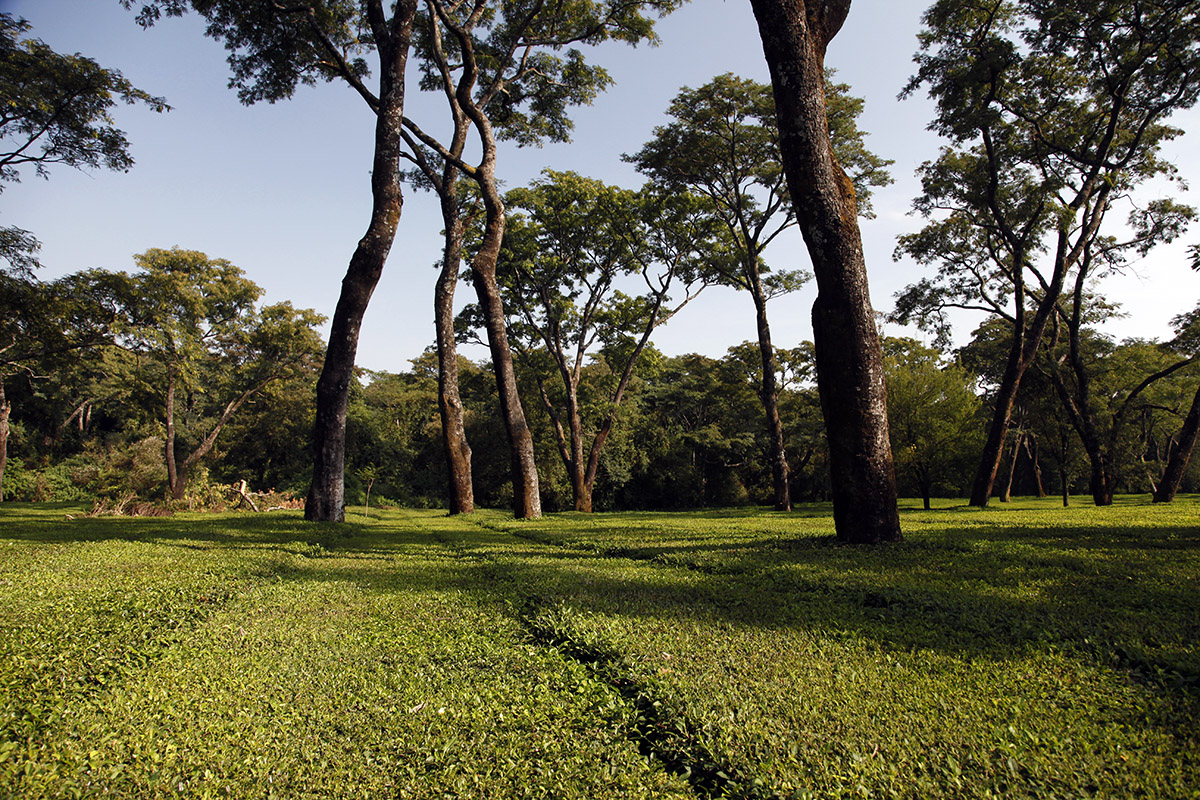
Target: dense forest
173, 384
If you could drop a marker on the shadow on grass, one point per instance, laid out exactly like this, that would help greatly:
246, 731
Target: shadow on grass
980, 586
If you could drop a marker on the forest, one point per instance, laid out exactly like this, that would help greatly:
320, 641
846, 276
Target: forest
172, 385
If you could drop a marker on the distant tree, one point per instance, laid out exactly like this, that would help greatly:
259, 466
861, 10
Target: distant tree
795, 34
55, 109
931, 413
499, 67
723, 143
273, 48
1055, 112
566, 254
210, 350
41, 323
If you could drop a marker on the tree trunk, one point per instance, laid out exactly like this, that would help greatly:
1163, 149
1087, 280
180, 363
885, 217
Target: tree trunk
1033, 451
1177, 464
1066, 486
169, 447
450, 407
770, 395
326, 500
527, 502
1006, 495
5, 411
849, 358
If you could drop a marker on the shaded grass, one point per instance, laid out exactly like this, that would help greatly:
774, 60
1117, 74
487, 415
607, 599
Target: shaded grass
1018, 651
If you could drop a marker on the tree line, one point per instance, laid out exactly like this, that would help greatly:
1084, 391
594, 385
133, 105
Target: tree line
1055, 114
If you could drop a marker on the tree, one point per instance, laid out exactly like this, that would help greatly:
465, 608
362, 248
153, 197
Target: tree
931, 413
273, 48
564, 257
723, 143
40, 322
795, 34
1055, 112
498, 66
55, 110
194, 319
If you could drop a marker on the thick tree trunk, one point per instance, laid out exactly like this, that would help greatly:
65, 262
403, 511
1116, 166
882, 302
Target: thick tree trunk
326, 497
769, 393
848, 354
450, 407
1176, 465
5, 411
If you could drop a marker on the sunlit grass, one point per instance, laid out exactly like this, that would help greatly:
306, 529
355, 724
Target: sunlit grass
1018, 650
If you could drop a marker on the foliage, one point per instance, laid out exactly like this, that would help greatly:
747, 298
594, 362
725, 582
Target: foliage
1030, 651
56, 110
932, 408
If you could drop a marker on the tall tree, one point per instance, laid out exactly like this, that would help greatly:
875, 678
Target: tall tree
573, 243
1054, 113
194, 318
795, 34
274, 47
723, 143
499, 66
55, 109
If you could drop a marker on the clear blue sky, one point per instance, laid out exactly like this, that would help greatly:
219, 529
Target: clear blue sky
282, 190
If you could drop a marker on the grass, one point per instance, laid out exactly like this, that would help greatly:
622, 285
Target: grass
1023, 650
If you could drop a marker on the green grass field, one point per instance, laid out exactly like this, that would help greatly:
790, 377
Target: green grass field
1024, 650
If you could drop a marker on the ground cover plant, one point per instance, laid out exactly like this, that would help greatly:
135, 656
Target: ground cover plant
1019, 651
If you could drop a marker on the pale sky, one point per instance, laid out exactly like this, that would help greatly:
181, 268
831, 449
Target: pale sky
282, 190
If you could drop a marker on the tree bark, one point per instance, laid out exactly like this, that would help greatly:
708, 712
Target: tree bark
450, 407
326, 500
1176, 465
849, 359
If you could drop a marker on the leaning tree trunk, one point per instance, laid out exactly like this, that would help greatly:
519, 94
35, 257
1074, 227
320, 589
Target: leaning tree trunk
326, 500
454, 433
1176, 465
849, 359
769, 393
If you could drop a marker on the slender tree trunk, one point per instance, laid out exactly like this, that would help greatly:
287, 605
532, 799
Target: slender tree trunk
1177, 464
1006, 494
5, 411
206, 444
450, 407
769, 393
1033, 451
1066, 486
326, 500
169, 447
849, 358
527, 502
